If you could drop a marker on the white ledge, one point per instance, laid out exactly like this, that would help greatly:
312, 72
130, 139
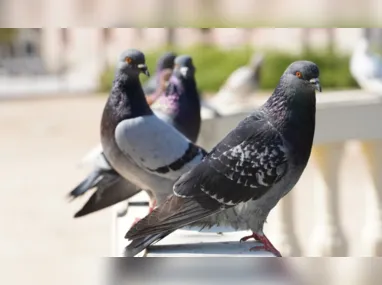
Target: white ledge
340, 116
185, 243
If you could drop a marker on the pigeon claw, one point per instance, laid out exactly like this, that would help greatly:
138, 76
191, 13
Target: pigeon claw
254, 236
270, 249
267, 245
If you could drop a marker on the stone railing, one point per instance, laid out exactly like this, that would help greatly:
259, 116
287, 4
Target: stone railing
336, 208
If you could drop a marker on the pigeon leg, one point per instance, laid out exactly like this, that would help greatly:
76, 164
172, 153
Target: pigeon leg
267, 245
153, 205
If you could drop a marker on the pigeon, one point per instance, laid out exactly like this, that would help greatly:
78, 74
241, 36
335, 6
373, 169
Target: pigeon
366, 67
163, 78
256, 164
139, 146
179, 106
164, 66
243, 81
166, 61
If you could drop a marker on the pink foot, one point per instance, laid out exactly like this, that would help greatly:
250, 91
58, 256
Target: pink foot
267, 245
248, 237
152, 207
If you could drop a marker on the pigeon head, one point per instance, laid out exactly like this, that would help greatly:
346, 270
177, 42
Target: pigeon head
184, 67
166, 61
132, 62
307, 72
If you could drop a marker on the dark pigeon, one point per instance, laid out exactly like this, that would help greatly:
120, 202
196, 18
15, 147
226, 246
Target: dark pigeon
180, 105
166, 61
256, 164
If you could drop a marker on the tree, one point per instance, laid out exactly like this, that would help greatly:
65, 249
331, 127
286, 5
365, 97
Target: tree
7, 35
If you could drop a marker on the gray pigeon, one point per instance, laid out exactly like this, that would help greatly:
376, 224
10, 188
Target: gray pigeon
139, 146
256, 164
106, 178
243, 81
366, 67
166, 61
180, 109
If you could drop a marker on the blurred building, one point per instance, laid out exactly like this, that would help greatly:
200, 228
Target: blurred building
82, 53
64, 49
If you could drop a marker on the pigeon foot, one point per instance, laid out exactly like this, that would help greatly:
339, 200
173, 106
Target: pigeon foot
267, 245
255, 236
152, 206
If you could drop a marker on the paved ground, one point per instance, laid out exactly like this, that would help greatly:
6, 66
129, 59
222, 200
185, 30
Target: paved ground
40, 143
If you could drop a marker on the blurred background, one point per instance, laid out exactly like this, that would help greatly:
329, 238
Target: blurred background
54, 83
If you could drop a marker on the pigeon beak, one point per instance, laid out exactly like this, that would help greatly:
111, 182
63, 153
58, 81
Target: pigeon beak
143, 68
316, 83
184, 71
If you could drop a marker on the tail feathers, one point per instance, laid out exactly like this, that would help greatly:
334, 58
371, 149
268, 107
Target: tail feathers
175, 213
140, 244
87, 184
108, 193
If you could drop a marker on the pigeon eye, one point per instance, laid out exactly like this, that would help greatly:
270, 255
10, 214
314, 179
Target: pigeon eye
128, 60
298, 74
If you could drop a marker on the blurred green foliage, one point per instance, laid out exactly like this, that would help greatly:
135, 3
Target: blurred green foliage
7, 35
214, 65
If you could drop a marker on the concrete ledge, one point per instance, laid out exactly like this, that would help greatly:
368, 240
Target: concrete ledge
340, 116
184, 243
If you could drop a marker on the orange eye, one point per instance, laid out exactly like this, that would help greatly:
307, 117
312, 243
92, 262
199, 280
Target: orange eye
128, 60
298, 74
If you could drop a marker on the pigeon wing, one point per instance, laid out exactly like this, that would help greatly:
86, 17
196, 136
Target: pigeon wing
156, 146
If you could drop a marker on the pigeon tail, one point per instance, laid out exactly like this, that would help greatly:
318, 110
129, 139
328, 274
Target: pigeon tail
137, 245
173, 214
88, 183
111, 189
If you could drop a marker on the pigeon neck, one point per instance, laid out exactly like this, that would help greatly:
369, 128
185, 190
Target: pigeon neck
292, 99
183, 105
127, 97
190, 86
291, 110
187, 93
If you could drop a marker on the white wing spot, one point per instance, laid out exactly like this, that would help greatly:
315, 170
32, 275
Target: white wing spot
215, 197
230, 175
